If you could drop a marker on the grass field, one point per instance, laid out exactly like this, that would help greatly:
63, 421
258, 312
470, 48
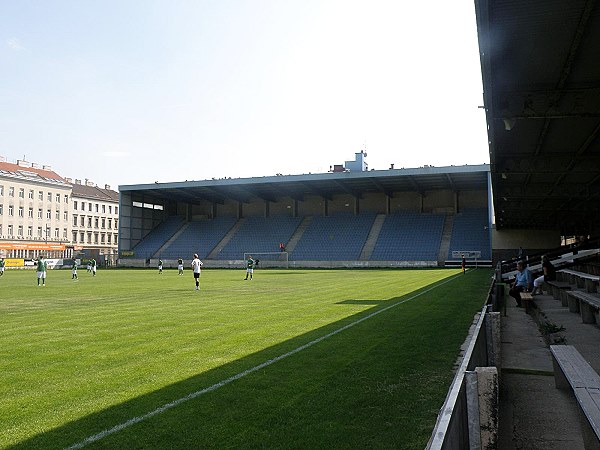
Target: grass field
78, 358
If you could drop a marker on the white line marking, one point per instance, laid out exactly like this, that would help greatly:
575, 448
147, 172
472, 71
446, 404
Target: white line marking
214, 387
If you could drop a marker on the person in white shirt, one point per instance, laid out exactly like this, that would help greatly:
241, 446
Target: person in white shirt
196, 267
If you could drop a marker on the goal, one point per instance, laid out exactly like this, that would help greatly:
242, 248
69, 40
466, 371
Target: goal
269, 259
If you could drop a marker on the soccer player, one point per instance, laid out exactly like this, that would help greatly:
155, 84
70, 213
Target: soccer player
160, 264
249, 267
180, 266
74, 271
2, 264
41, 271
463, 263
196, 266
94, 267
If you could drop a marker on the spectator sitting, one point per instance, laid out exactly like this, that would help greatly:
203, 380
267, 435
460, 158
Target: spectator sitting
522, 282
549, 275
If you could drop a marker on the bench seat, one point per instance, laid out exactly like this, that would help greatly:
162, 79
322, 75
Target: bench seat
572, 371
587, 304
557, 287
527, 301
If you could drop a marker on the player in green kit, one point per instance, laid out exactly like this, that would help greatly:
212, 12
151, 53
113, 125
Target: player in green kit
2, 264
249, 267
160, 266
41, 271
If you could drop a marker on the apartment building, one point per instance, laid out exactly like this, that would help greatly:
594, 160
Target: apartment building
34, 211
44, 213
95, 220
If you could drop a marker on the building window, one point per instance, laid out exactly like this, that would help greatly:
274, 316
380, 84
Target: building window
89, 238
64, 233
116, 224
10, 230
22, 193
30, 194
39, 232
108, 238
82, 221
48, 214
20, 211
1, 191
102, 238
40, 195
90, 206
20, 231
89, 222
97, 207
1, 208
57, 215
103, 222
109, 223
75, 205
95, 238
29, 231
11, 191
49, 196
96, 222
82, 237
116, 210
115, 240
65, 216
57, 198
11, 210
30, 213
74, 237
74, 221
110, 209
103, 209
39, 213
66, 198
56, 235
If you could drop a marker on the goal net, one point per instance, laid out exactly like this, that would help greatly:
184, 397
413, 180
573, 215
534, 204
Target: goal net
269, 259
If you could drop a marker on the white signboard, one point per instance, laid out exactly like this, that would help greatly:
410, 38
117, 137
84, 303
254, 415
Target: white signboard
467, 254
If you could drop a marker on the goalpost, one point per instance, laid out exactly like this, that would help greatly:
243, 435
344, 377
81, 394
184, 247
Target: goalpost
269, 259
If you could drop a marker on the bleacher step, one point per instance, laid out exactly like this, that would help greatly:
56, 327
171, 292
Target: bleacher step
446, 237
369, 246
291, 245
221, 245
167, 244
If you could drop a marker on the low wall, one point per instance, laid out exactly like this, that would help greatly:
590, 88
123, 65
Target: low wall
469, 416
240, 264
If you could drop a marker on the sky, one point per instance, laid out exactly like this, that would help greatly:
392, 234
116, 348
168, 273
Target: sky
137, 91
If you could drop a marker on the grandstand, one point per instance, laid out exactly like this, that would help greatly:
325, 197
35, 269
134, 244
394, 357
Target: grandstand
396, 217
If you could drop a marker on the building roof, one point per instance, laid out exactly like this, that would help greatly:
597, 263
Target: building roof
30, 172
541, 82
95, 193
272, 188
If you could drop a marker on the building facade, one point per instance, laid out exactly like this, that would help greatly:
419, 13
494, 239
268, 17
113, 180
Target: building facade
42, 212
95, 220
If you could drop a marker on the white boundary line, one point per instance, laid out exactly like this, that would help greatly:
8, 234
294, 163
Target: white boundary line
214, 387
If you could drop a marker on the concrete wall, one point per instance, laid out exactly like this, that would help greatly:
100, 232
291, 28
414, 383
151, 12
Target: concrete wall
506, 243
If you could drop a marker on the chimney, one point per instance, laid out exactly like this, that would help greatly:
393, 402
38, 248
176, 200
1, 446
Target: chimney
68, 180
2, 159
45, 167
107, 187
23, 163
77, 181
36, 166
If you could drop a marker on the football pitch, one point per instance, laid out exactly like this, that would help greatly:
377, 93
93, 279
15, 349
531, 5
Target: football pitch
292, 359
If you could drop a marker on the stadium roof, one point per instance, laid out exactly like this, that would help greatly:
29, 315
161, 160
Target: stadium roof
272, 188
541, 81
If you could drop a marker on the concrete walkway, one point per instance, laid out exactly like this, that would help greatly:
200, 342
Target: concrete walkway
533, 413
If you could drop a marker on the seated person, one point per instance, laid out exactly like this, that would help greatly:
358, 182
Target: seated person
549, 275
523, 282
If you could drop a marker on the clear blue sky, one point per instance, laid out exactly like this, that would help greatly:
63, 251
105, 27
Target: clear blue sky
126, 92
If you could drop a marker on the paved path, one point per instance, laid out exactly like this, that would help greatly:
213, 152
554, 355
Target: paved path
533, 413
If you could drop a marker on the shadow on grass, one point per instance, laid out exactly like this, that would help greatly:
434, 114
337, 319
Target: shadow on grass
78, 430
362, 302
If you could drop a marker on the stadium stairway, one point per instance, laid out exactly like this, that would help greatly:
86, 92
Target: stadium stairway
367, 249
173, 238
446, 236
291, 245
221, 245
